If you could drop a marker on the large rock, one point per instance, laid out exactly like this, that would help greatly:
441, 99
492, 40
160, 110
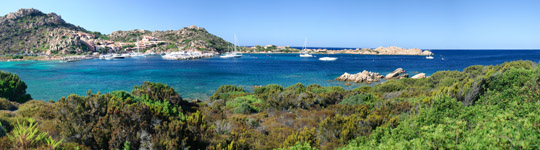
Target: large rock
418, 76
394, 73
361, 77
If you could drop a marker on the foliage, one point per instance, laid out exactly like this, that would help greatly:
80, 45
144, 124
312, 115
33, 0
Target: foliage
227, 92
483, 107
144, 119
7, 105
362, 98
26, 135
13, 88
245, 104
299, 146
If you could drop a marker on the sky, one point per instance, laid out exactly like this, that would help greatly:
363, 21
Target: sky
426, 24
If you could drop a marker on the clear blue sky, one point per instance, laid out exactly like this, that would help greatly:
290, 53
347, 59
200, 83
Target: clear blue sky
431, 24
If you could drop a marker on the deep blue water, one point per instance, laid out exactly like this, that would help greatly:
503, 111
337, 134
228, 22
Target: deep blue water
199, 78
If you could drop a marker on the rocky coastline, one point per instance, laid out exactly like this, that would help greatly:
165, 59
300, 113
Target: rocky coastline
392, 50
370, 77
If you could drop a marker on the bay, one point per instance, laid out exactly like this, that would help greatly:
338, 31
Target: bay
51, 80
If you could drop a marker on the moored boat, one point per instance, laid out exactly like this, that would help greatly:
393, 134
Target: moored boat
328, 58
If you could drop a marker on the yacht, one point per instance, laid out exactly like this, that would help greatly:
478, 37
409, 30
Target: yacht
429, 57
151, 54
328, 58
105, 56
303, 53
232, 54
118, 56
138, 53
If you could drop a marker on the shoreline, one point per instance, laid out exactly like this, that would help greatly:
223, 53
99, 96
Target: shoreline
333, 53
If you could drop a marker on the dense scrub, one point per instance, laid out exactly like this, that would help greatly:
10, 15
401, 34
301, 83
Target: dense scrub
481, 107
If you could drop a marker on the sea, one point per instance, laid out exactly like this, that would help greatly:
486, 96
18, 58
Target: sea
198, 79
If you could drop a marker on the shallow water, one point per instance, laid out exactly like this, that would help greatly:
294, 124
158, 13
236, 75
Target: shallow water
51, 80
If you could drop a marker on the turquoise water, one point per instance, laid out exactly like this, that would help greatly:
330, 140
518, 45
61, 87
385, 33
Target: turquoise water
51, 80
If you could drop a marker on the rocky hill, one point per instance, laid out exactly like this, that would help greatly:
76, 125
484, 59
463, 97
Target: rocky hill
187, 38
30, 31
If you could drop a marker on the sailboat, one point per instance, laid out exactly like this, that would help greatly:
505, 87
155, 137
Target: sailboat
233, 54
138, 53
227, 54
303, 53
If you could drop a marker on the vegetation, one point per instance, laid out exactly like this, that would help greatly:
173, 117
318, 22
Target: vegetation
13, 88
482, 107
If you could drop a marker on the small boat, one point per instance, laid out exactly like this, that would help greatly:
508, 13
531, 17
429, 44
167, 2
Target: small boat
152, 54
118, 56
429, 57
227, 55
138, 53
328, 58
125, 55
304, 53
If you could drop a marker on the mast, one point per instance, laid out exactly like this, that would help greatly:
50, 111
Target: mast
138, 45
235, 44
305, 45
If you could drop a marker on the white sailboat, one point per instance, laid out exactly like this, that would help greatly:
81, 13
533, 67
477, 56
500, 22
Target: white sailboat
233, 54
303, 53
138, 53
227, 54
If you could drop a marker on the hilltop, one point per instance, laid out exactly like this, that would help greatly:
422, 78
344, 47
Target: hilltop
30, 31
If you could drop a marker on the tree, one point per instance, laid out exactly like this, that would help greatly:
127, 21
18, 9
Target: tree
13, 88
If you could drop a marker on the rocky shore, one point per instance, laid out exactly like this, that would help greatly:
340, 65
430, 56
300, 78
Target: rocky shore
393, 50
370, 77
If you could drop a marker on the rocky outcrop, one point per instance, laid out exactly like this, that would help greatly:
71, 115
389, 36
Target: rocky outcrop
394, 73
369, 77
418, 76
401, 76
393, 50
361, 77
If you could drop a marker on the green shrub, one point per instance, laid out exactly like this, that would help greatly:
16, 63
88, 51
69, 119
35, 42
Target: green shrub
245, 104
36, 109
227, 91
362, 98
13, 88
511, 78
7, 105
390, 86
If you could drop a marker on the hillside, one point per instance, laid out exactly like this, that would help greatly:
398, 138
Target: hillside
30, 31
187, 38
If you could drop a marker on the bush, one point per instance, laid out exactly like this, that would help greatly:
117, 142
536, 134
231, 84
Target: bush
227, 91
36, 109
7, 105
362, 98
13, 88
245, 104
156, 92
390, 86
